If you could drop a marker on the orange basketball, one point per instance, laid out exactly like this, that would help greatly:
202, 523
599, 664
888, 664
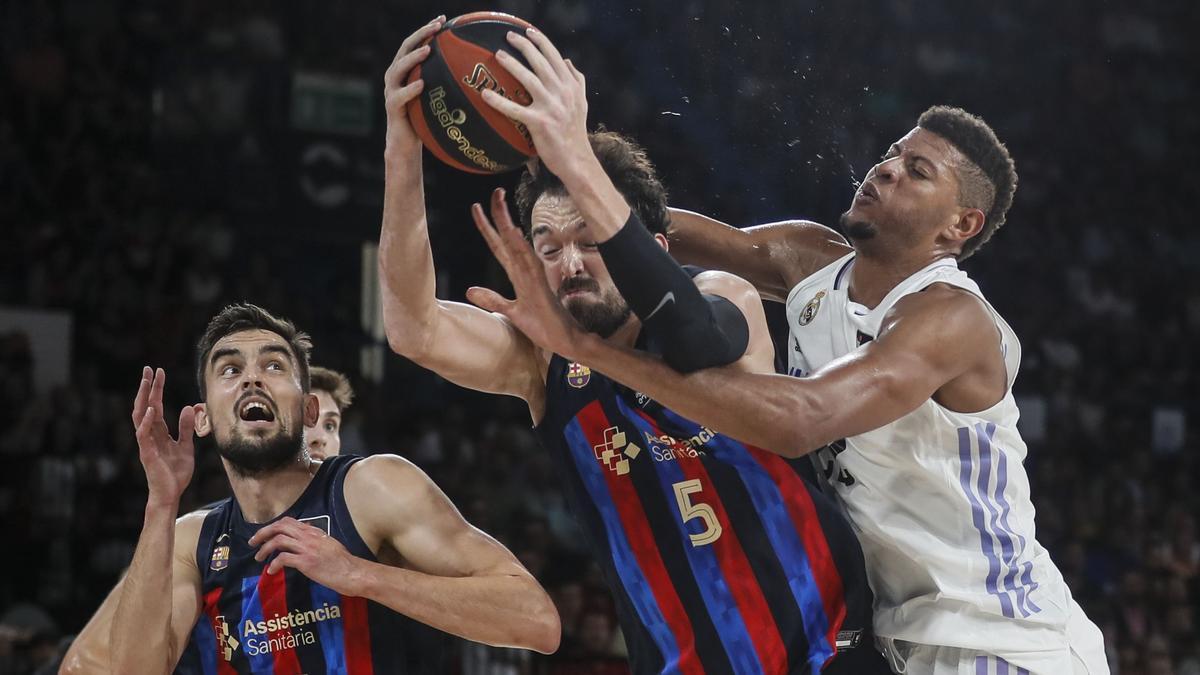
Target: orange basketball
450, 116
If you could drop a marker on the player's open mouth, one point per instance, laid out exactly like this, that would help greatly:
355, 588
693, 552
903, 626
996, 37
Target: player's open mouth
867, 191
255, 409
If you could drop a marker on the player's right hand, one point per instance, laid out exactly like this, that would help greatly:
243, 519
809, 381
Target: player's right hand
396, 94
168, 462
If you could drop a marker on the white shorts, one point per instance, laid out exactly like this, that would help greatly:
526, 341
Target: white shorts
1083, 655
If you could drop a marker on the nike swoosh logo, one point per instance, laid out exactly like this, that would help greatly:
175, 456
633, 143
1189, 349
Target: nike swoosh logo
669, 297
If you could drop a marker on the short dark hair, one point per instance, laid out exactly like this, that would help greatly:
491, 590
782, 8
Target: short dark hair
337, 384
626, 164
990, 181
245, 316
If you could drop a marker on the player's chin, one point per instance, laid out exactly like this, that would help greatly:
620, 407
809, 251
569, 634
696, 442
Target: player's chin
857, 226
859, 209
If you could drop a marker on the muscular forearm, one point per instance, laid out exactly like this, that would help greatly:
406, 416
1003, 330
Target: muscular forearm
406, 273
90, 651
692, 331
141, 629
774, 412
499, 610
598, 200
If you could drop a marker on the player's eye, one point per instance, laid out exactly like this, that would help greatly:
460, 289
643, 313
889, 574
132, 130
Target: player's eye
330, 427
548, 252
229, 370
274, 365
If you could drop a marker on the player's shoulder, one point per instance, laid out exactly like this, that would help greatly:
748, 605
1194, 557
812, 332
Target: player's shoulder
943, 308
380, 487
193, 520
188, 528
727, 285
383, 473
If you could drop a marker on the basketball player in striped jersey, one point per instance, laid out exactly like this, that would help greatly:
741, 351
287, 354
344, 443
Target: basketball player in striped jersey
719, 556
902, 383
308, 567
89, 652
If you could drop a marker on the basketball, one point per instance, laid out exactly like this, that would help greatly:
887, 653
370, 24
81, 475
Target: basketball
450, 116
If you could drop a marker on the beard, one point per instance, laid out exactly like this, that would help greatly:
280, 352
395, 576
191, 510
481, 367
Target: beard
250, 458
857, 230
602, 317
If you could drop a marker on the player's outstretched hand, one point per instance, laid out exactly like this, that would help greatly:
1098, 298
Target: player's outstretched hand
557, 117
535, 311
168, 462
310, 551
396, 94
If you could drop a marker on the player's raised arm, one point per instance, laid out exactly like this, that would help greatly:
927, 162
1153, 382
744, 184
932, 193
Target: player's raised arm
692, 330
774, 257
456, 578
469, 347
160, 598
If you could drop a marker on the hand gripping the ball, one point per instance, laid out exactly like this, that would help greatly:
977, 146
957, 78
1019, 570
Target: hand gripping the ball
401, 139
557, 117
168, 462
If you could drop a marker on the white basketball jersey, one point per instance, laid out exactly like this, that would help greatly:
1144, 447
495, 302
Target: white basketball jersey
939, 499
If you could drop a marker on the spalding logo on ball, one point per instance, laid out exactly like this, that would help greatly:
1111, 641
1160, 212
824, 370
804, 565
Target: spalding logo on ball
450, 116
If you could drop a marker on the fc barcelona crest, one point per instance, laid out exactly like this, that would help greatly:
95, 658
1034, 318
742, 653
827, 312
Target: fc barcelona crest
810, 310
220, 556
578, 375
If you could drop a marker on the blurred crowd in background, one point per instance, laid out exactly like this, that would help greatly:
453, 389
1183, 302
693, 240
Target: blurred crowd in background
159, 161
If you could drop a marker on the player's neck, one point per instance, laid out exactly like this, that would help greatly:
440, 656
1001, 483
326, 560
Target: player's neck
266, 496
872, 276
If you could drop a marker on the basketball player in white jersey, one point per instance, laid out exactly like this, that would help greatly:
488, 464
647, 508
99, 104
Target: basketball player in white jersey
902, 382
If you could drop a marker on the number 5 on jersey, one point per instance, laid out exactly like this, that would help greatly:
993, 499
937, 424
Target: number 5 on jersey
687, 509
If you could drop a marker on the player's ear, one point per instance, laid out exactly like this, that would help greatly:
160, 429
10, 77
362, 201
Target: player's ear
662, 241
312, 410
968, 224
203, 423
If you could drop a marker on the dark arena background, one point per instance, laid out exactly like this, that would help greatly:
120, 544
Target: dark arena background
160, 160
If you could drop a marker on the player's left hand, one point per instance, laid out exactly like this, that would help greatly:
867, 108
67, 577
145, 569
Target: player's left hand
557, 116
535, 311
310, 551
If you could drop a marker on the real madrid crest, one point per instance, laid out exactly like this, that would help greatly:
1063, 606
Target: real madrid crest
578, 375
220, 556
810, 310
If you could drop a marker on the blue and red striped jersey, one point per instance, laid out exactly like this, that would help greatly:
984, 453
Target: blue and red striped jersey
721, 557
254, 622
